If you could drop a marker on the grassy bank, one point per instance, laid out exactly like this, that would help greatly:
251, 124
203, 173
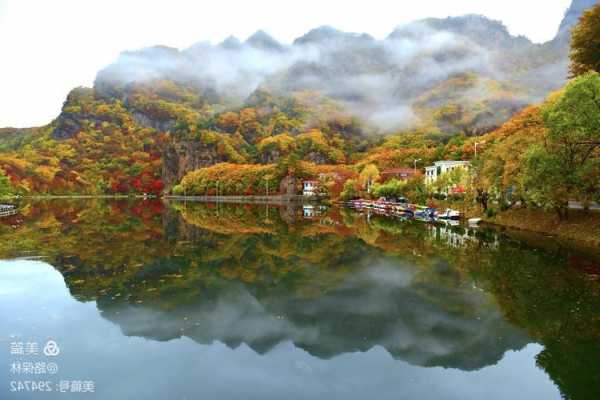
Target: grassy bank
581, 227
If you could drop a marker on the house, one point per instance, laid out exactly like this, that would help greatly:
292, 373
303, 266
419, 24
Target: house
439, 168
309, 188
310, 211
402, 174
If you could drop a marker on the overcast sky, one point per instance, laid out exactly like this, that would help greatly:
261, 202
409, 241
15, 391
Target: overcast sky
49, 47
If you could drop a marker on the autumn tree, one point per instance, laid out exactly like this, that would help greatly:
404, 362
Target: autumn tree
250, 127
229, 122
368, 176
585, 43
350, 191
291, 166
498, 171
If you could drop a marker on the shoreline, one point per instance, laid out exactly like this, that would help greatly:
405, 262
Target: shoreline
82, 196
275, 199
581, 229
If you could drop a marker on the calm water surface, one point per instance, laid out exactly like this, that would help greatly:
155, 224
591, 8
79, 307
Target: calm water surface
148, 300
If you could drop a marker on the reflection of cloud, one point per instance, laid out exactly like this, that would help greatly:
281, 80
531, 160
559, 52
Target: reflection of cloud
427, 324
24, 276
96, 349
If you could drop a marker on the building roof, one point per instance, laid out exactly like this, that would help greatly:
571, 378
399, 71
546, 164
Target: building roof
447, 163
451, 162
398, 171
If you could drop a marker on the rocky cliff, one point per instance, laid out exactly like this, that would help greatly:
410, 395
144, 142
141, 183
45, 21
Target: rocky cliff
181, 157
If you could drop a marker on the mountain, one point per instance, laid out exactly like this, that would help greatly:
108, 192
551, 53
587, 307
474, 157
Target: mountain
574, 12
159, 112
376, 80
262, 40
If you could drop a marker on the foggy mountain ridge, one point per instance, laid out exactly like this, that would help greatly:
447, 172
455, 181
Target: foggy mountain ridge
573, 13
380, 81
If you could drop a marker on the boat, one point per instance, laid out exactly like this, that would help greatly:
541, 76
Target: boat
474, 221
425, 213
448, 214
448, 222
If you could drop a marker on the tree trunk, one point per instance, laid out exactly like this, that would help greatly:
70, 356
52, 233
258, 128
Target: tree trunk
563, 211
482, 196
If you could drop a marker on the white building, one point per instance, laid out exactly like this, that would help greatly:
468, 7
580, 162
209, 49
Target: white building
309, 188
439, 168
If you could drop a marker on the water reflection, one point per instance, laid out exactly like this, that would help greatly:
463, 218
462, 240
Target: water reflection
330, 283
422, 323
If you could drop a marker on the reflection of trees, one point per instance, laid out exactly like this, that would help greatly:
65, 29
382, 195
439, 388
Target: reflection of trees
556, 298
334, 284
574, 365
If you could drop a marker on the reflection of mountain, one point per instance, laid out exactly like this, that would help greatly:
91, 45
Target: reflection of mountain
379, 302
333, 284
328, 293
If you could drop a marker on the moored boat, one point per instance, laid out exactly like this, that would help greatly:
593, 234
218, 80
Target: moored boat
448, 214
425, 213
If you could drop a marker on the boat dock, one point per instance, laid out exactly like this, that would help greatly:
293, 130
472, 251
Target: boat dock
404, 210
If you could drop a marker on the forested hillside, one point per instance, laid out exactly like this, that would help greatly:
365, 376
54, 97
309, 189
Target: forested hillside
330, 98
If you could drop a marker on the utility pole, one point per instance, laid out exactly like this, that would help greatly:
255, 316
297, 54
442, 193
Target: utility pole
477, 144
218, 198
267, 186
415, 163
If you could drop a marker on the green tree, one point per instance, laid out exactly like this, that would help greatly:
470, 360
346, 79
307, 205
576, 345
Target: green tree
567, 166
415, 190
5, 185
546, 180
458, 177
390, 189
585, 43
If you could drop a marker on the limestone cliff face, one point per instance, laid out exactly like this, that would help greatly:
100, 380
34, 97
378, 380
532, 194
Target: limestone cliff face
149, 122
181, 157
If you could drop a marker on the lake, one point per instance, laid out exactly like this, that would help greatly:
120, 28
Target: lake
123, 299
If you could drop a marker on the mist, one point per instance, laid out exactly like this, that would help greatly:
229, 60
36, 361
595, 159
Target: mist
384, 304
377, 80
